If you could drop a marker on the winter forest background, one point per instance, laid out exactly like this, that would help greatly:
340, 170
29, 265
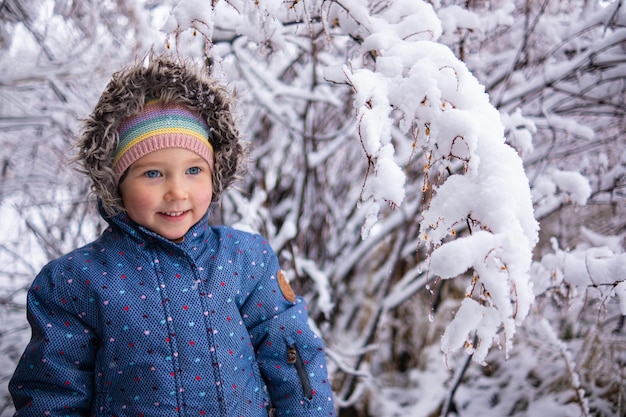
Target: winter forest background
404, 154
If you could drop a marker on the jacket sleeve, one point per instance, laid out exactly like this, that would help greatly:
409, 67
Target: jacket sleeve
290, 355
54, 375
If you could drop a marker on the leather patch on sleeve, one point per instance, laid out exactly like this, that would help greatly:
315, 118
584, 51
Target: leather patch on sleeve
285, 287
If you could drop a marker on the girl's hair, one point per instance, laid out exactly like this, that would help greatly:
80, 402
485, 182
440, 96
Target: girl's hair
171, 80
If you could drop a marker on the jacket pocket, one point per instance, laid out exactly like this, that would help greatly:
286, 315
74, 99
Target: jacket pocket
294, 358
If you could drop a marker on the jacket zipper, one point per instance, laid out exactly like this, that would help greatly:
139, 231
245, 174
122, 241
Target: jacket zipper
293, 356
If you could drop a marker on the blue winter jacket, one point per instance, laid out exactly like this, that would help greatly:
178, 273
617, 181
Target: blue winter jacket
136, 325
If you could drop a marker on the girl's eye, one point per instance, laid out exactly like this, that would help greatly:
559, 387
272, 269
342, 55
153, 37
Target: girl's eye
153, 173
194, 170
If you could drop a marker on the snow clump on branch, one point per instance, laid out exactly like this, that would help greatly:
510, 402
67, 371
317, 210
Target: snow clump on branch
474, 184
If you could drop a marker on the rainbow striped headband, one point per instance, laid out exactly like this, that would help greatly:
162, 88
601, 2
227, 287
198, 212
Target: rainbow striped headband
160, 126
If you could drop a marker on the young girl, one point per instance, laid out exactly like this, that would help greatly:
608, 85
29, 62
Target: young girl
164, 315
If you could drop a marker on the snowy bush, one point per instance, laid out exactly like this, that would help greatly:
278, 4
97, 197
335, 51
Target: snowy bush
387, 173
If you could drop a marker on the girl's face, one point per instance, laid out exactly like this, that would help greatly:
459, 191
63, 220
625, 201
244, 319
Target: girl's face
168, 191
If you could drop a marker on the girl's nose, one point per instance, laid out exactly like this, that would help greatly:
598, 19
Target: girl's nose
175, 190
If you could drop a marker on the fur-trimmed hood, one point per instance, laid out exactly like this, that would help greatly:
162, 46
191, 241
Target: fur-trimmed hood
167, 79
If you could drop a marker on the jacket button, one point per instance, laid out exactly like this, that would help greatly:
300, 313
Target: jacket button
291, 355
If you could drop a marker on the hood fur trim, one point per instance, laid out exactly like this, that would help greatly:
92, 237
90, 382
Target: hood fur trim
171, 80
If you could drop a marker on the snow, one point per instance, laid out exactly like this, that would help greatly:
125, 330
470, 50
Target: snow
556, 187
597, 267
321, 281
455, 17
613, 243
472, 319
186, 14
439, 97
417, 105
573, 184
521, 131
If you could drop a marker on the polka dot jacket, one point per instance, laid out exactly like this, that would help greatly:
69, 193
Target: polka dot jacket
135, 325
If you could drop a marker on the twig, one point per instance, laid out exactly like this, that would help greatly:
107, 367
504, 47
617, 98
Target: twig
458, 377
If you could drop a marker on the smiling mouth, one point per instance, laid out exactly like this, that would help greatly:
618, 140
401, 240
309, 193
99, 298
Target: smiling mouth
173, 213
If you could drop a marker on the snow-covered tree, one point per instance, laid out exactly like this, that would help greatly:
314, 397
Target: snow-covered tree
403, 151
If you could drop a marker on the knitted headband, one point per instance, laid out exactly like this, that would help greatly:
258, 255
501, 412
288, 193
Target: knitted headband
161, 126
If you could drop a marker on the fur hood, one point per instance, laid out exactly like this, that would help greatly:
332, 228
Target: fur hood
170, 80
